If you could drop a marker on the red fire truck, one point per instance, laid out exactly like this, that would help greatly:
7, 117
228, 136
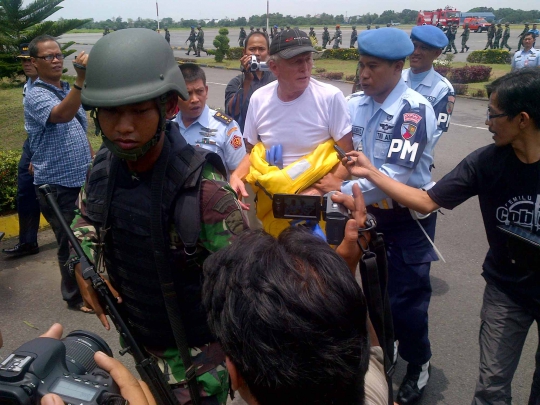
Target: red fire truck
445, 16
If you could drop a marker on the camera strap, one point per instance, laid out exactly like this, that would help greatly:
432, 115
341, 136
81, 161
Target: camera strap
374, 274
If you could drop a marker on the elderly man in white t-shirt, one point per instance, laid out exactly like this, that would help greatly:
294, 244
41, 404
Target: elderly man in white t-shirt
295, 114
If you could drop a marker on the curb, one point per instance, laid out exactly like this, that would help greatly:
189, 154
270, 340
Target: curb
10, 225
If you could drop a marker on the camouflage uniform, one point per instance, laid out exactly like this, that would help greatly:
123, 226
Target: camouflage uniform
325, 37
505, 37
192, 38
490, 35
336, 38
498, 35
451, 35
242, 37
525, 30
354, 36
167, 36
221, 219
200, 42
313, 37
465, 37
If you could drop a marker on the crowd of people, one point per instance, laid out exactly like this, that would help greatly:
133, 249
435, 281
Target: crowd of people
275, 313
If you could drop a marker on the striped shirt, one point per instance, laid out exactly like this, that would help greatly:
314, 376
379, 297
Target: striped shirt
60, 152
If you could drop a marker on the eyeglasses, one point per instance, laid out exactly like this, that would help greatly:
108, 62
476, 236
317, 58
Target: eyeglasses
50, 58
490, 117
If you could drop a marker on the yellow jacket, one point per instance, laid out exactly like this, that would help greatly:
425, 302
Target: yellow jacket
268, 180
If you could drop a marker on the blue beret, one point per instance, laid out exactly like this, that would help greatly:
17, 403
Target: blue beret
385, 43
430, 35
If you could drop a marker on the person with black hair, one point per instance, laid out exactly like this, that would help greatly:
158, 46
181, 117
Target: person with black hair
506, 178
240, 89
292, 319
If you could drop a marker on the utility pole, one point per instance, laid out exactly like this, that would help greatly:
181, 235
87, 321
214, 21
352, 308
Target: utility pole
157, 15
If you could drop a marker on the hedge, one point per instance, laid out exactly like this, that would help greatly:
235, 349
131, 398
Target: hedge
234, 52
466, 74
9, 161
341, 54
491, 56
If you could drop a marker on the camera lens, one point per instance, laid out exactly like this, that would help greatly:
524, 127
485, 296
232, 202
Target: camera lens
80, 348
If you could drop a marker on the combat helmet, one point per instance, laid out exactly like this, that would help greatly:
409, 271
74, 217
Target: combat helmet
152, 77
354, 27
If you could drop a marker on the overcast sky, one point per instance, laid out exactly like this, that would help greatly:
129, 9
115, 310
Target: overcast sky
208, 9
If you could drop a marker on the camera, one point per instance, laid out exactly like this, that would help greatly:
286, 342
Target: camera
306, 207
64, 367
254, 65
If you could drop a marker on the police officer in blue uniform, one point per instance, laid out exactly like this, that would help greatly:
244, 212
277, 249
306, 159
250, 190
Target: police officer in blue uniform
396, 128
201, 126
528, 57
429, 41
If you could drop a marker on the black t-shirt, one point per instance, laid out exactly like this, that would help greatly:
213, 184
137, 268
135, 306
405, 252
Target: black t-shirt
509, 193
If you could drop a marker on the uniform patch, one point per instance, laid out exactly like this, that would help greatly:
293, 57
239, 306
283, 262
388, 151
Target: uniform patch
223, 118
389, 117
450, 105
408, 130
236, 142
356, 130
431, 99
230, 131
385, 126
412, 118
235, 222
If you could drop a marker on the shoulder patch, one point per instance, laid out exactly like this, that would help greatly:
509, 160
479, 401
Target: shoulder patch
230, 131
223, 118
236, 142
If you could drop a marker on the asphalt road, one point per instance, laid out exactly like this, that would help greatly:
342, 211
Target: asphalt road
30, 299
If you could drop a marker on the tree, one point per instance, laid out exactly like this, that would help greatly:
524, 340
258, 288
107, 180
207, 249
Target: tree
221, 42
20, 24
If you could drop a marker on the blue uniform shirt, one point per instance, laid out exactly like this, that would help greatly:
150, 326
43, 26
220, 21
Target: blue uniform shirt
522, 59
60, 152
398, 138
439, 92
215, 134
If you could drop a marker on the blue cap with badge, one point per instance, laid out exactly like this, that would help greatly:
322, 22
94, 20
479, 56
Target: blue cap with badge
430, 35
385, 43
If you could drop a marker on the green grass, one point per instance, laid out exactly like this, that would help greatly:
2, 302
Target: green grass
12, 117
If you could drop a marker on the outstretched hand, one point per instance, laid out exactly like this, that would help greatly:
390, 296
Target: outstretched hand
349, 249
359, 165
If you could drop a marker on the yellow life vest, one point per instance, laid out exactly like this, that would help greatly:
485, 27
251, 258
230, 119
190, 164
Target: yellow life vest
268, 180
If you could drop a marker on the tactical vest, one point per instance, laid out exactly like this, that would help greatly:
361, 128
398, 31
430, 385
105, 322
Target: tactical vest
128, 248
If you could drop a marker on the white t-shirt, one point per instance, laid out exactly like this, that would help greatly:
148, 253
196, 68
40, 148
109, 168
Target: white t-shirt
319, 114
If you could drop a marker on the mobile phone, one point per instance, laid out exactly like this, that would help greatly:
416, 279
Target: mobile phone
341, 153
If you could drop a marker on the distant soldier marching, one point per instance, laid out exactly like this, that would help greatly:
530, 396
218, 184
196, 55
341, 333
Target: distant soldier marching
337, 37
192, 38
242, 37
505, 37
498, 36
465, 37
325, 37
354, 36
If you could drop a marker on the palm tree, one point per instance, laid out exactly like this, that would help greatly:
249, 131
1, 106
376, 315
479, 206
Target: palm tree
20, 24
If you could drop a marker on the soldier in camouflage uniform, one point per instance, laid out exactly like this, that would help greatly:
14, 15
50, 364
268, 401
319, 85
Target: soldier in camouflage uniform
337, 38
498, 36
242, 37
525, 30
142, 153
200, 42
354, 36
490, 35
325, 37
465, 37
313, 36
451, 35
192, 39
506, 36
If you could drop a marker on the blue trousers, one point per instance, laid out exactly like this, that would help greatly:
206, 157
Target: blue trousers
409, 261
27, 202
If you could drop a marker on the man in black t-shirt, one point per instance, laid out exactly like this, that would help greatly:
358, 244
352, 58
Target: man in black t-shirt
506, 178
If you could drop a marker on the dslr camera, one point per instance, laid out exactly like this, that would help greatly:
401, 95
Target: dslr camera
254, 65
64, 367
311, 207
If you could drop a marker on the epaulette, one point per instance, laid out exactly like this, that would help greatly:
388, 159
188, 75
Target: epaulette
223, 118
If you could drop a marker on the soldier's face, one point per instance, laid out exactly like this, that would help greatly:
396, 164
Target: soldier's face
378, 76
192, 108
423, 56
130, 126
